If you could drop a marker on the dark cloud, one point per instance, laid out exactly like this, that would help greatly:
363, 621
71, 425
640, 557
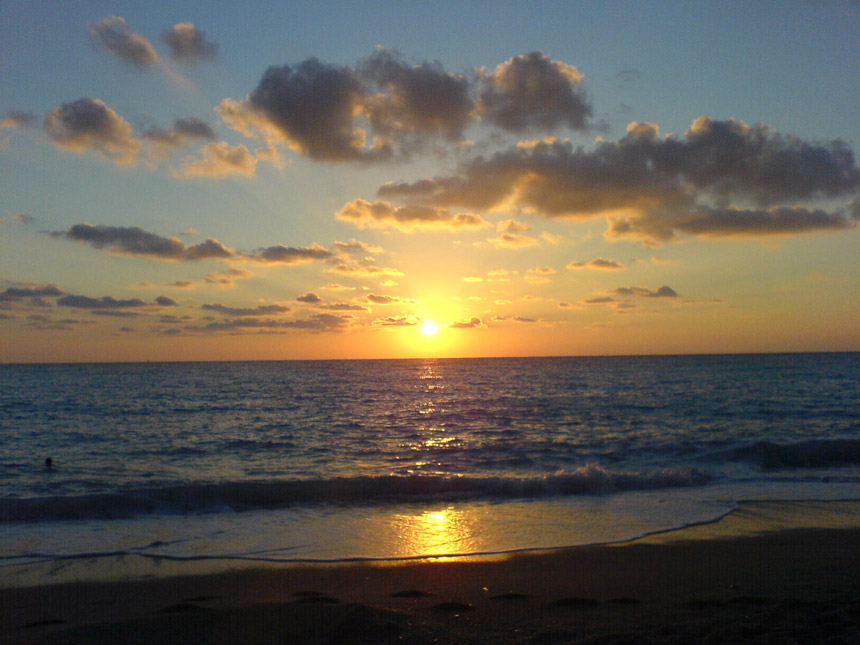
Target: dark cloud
164, 301
105, 302
702, 184
472, 323
15, 294
310, 298
423, 98
384, 107
17, 119
597, 263
642, 292
380, 214
88, 124
135, 241
533, 92
316, 322
188, 44
260, 310
114, 35
313, 106
281, 254
183, 131
524, 320
344, 306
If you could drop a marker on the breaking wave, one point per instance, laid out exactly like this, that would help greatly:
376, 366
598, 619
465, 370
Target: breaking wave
246, 496
823, 453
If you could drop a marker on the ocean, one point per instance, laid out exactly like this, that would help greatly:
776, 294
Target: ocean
237, 463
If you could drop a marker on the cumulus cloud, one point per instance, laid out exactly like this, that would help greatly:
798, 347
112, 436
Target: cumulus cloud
385, 107
643, 292
381, 214
218, 160
363, 270
355, 246
242, 312
396, 321
105, 302
309, 298
88, 124
533, 92
721, 178
17, 119
600, 264
281, 254
188, 44
135, 241
114, 35
18, 293
422, 98
382, 299
320, 322
472, 323
183, 131
164, 301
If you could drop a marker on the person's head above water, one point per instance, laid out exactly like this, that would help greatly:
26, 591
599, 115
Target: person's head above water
49, 463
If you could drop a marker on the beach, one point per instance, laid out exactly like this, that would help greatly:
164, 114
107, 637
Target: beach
737, 580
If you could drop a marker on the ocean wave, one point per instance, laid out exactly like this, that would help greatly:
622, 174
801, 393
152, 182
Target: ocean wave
821, 453
364, 490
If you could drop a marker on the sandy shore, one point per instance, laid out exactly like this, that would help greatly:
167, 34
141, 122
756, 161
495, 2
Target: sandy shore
788, 585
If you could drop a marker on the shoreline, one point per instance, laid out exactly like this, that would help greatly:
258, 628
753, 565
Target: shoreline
763, 570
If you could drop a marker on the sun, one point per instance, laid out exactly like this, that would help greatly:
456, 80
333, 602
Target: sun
428, 327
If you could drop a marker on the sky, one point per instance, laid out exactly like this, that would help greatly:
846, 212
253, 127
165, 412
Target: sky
266, 180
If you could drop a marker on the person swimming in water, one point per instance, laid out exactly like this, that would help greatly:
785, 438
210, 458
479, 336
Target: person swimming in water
49, 463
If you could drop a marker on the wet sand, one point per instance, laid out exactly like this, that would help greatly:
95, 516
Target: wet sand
786, 585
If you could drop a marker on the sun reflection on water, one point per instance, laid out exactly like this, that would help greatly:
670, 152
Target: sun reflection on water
443, 532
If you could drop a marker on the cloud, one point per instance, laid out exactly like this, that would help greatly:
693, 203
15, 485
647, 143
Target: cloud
513, 241
422, 99
137, 242
354, 246
384, 107
114, 35
385, 299
311, 107
321, 322
721, 178
310, 298
643, 292
17, 119
237, 312
281, 254
600, 264
705, 221
396, 321
105, 302
363, 270
183, 131
188, 44
218, 160
472, 323
227, 278
16, 294
532, 92
380, 214
88, 124
164, 301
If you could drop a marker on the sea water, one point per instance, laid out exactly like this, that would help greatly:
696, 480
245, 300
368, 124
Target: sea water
338, 460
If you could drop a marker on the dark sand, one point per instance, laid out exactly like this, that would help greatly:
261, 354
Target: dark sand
792, 585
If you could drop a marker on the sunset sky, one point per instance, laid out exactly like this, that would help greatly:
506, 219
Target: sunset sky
261, 180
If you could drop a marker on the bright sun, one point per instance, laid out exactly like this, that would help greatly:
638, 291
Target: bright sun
428, 327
